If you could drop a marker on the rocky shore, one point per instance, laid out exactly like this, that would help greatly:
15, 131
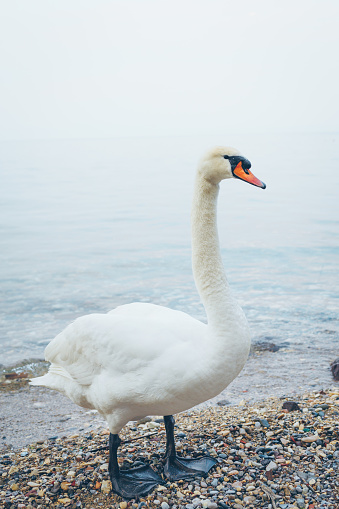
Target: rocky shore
271, 455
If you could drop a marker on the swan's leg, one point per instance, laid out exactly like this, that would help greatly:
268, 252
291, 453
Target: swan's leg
131, 483
175, 467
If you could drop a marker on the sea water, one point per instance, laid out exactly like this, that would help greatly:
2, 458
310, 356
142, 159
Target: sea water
87, 225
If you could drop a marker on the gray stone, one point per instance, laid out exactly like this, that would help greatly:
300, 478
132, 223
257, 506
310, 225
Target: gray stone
271, 466
335, 369
291, 406
223, 505
223, 402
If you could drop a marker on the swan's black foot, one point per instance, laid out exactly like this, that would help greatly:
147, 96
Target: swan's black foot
135, 482
176, 468
132, 483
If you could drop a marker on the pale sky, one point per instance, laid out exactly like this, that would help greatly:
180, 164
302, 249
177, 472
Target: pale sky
102, 68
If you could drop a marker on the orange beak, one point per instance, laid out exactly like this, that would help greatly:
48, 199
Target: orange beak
247, 176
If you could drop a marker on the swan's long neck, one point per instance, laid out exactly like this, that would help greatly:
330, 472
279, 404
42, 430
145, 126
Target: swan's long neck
208, 269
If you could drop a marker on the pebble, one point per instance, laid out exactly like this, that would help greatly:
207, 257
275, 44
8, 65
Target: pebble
271, 466
106, 487
64, 500
309, 439
264, 423
291, 406
233, 472
249, 499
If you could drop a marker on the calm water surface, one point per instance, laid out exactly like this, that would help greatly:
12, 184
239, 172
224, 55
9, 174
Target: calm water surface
87, 225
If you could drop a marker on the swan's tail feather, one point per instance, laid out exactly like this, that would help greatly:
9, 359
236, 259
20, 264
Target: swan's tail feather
56, 369
44, 381
49, 380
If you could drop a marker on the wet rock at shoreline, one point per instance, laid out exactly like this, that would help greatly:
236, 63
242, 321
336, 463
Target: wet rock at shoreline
335, 369
266, 346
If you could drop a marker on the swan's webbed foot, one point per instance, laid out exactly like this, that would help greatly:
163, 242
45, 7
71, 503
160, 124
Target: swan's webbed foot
135, 482
176, 468
131, 483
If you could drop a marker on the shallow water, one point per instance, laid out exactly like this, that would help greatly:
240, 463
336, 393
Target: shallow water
87, 225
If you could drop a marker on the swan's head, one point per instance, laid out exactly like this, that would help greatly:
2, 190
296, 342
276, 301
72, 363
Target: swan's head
222, 163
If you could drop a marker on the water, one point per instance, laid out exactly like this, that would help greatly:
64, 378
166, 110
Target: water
87, 225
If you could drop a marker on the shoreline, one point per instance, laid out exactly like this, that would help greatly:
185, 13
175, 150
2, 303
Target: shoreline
267, 457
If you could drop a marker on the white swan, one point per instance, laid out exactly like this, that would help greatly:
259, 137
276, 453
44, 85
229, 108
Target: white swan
142, 359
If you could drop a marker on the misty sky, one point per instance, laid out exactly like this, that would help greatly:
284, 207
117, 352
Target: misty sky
96, 68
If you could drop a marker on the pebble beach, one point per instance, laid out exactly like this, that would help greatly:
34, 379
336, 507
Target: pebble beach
273, 454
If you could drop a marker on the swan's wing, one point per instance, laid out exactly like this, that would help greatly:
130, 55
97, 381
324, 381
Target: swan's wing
74, 351
123, 341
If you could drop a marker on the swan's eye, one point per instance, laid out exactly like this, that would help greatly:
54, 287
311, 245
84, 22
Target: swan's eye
226, 157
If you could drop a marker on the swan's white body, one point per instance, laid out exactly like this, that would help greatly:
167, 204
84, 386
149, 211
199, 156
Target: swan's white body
142, 359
